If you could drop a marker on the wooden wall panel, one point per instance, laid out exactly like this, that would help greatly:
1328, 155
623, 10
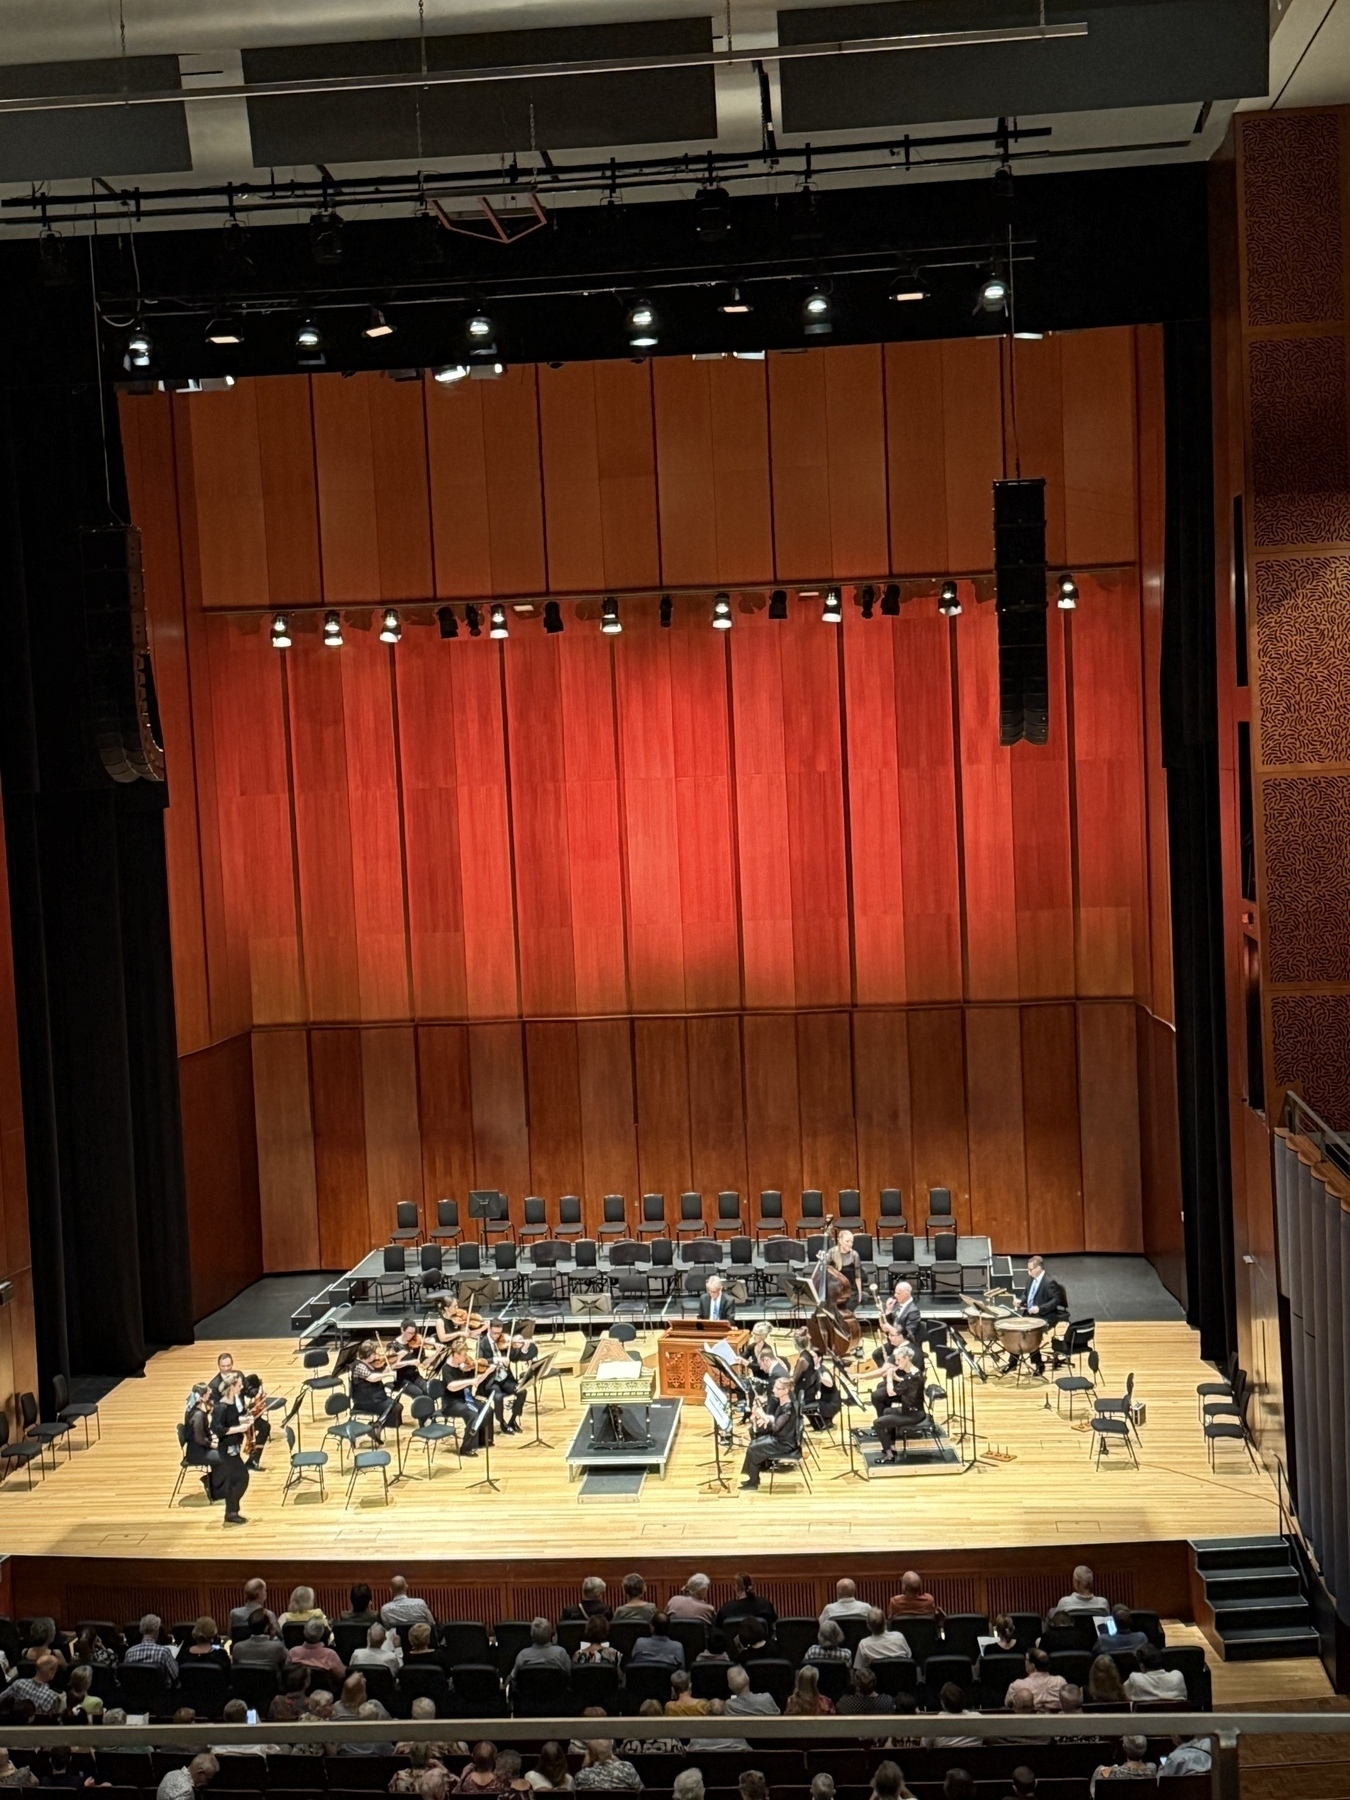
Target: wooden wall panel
916, 464
501, 1130
1042, 839
487, 511
287, 1181
817, 871
594, 864
378, 873
973, 448
704, 806
392, 1124
825, 1101
374, 506
655, 931
219, 436
1152, 512
881, 1106
855, 417
762, 815
660, 1059
540, 863
937, 1089
445, 1109
554, 1091
290, 491
340, 1172
1053, 1151
608, 1112
1108, 1087
875, 879
931, 879
716, 1105
994, 1101
1033, 371
424, 686
569, 443
773, 1139
492, 978
713, 471
1101, 522
626, 464
313, 677
988, 854
220, 1172
799, 460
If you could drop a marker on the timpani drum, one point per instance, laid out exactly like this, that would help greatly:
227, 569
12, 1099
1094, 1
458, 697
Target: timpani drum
1021, 1337
983, 1322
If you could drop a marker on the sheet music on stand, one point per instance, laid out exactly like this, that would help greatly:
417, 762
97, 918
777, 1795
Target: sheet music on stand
719, 1411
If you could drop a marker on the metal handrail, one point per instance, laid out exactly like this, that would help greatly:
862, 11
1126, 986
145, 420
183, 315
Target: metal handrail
1301, 1118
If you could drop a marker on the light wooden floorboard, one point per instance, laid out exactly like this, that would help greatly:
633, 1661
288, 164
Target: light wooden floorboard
112, 1500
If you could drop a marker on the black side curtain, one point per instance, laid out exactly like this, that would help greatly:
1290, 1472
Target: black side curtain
85, 857
1191, 757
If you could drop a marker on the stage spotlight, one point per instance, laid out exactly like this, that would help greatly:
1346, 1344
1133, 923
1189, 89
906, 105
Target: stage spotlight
890, 600
449, 624
816, 310
610, 622
721, 612
667, 610
497, 627
778, 604
377, 326
481, 330
733, 301
390, 631
325, 236
949, 601
993, 295
473, 620
832, 612
553, 619
641, 325
712, 214
908, 287
307, 335
449, 373
228, 330
332, 630
867, 598
281, 632
1068, 593
139, 348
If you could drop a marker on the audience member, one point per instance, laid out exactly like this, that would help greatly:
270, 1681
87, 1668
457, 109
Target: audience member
1005, 1633
43, 1639
1104, 1682
181, 1784
39, 1688
424, 1776
313, 1652
235, 1712
958, 1784
1060, 1633
402, 1608
1151, 1681
204, 1645
888, 1783
660, 1746
1191, 1758
692, 1602
381, 1649
595, 1646
1134, 1765
542, 1651
682, 1702
913, 1600
422, 1712
1083, 1599
716, 1710
1023, 1783
13, 1776
593, 1593
1124, 1638
360, 1611
846, 1604
550, 1774
300, 1608
822, 1786
636, 1606
262, 1648
829, 1645
752, 1785
952, 1704
1044, 1687
745, 1604
657, 1646
255, 1596
862, 1695
881, 1643
806, 1697
602, 1769
715, 1650
90, 1648
688, 1785
151, 1652
743, 1700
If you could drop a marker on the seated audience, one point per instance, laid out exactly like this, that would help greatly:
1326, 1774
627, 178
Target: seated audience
958, 1784
595, 1646
423, 1710
659, 1746
952, 1704
482, 1776
300, 1608
682, 1702
424, 1776
743, 1700
1023, 1783
43, 1639
658, 1646
1083, 1599
255, 1596
542, 1651
204, 1645
1124, 1638
846, 1604
181, 1784
550, 1774
13, 1776
1060, 1633
39, 1689
1005, 1633
402, 1609
262, 1648
380, 1650
359, 1612
90, 1648
715, 1650
636, 1606
1104, 1682
313, 1652
602, 1769
688, 1785
1134, 1765
747, 1604
753, 1785
1044, 1687
1191, 1758
829, 1645
888, 1783
716, 1710
151, 1652
593, 1593
1151, 1681
881, 1644
862, 1695
692, 1602
822, 1786
806, 1697
913, 1601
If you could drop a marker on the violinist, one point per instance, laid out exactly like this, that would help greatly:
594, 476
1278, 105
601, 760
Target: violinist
454, 1320
370, 1392
405, 1357
899, 1401
253, 1397
775, 1427
523, 1351
199, 1449
461, 1377
229, 1428
813, 1383
494, 1349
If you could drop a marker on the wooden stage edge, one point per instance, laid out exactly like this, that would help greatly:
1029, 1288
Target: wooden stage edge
98, 1538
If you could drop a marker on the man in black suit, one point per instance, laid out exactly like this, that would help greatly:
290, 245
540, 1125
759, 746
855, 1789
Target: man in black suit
902, 1311
716, 1303
776, 1436
1045, 1299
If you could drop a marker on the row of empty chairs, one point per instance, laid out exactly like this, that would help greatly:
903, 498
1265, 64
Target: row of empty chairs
490, 1211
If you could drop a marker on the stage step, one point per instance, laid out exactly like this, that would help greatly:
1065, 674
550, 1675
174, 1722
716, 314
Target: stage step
1255, 1596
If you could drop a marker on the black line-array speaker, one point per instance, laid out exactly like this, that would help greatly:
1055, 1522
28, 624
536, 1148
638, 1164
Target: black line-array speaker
1020, 601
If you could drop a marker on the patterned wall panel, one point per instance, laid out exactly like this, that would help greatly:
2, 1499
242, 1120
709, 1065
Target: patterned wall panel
1299, 443
1303, 657
1307, 829
1292, 217
1311, 1049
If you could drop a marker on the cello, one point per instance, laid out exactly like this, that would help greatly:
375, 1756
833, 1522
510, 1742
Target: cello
832, 1330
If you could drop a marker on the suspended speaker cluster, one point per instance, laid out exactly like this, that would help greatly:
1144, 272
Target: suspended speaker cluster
1020, 602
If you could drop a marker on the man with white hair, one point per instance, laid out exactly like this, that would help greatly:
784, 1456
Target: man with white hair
692, 1602
402, 1609
716, 1303
846, 1604
1083, 1599
151, 1651
902, 1311
688, 1785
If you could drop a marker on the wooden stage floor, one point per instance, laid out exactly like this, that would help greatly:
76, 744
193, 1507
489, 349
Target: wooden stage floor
112, 1500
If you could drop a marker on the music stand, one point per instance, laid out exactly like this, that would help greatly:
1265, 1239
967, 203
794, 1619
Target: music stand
531, 1378
474, 1289
291, 1418
718, 1410
851, 1398
486, 1441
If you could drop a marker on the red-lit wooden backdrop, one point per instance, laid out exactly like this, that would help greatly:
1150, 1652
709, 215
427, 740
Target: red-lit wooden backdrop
768, 908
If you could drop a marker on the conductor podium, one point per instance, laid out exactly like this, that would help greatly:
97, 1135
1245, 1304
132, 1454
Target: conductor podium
679, 1354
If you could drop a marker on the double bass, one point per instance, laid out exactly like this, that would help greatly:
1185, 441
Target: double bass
832, 1330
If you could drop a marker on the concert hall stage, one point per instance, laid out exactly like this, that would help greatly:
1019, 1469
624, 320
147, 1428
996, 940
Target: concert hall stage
1017, 1524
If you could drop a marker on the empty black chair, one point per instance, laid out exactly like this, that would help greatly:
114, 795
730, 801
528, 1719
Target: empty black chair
470, 1259
291, 1771
541, 1693
570, 1223
203, 1685
709, 1681
624, 1633
854, 1630
1073, 1385
771, 1675
896, 1675
597, 1684
292, 1632
663, 1252
653, 1221
257, 1688
693, 1634
407, 1227
850, 1207
1026, 1628
939, 1670
431, 1263
504, 1257
348, 1639
23, 1453
700, 1250
463, 1641
646, 1681
728, 1222
832, 1678
1149, 1623
691, 1222
586, 1253
741, 1251
812, 1213
497, 1222
862, 1243
769, 1222
944, 1247
379, 1680
145, 1688
447, 1226
69, 1414
395, 1259
1073, 1665
422, 1680
613, 1217
127, 1768
511, 1635
535, 1221
961, 1633
939, 1210
890, 1212
998, 1670
45, 1431
903, 1259
795, 1636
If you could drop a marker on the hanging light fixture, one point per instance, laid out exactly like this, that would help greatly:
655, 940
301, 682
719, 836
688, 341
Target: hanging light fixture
332, 630
281, 632
721, 613
610, 622
949, 601
1068, 593
390, 631
497, 626
832, 613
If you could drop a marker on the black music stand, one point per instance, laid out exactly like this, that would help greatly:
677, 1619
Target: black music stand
851, 1398
486, 1441
532, 1377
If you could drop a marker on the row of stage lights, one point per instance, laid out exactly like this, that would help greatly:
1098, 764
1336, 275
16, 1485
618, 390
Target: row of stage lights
721, 619
642, 324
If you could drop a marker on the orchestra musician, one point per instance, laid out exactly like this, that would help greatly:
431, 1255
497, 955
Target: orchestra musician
766, 1366
370, 1393
199, 1448
902, 1391
461, 1377
716, 1303
885, 1353
405, 1356
229, 1426
1045, 1299
253, 1399
813, 1383
503, 1352
846, 1262
775, 1428
901, 1309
